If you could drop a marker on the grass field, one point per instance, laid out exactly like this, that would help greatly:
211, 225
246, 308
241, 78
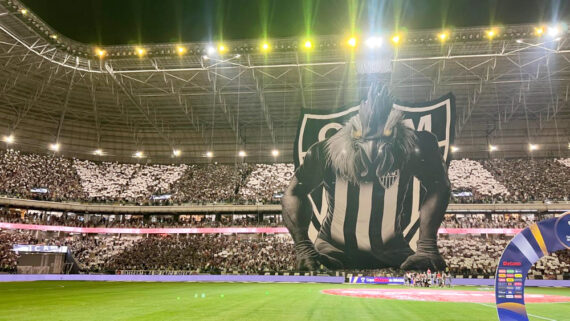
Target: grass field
75, 300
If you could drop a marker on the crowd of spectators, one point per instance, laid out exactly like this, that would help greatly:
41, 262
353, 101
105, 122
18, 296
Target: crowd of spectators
266, 183
49, 177
211, 183
530, 180
481, 221
137, 221
38, 177
564, 161
168, 221
132, 183
8, 258
471, 255
209, 253
466, 255
472, 182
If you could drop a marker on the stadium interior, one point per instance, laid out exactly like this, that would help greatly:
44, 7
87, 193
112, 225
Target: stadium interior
149, 160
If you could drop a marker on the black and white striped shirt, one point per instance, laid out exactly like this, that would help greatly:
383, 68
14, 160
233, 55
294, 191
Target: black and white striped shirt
366, 216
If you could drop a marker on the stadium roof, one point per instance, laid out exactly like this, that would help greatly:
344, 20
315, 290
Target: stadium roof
511, 88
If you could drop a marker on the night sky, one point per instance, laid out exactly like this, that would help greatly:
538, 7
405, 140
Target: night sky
109, 22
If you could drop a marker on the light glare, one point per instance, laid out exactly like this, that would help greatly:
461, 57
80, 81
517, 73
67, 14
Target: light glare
554, 31
454, 149
241, 153
9, 139
176, 152
396, 39
308, 44
493, 148
374, 42
352, 42
101, 53
532, 147
181, 50
275, 153
54, 147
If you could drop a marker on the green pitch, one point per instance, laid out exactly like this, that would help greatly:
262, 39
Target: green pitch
235, 301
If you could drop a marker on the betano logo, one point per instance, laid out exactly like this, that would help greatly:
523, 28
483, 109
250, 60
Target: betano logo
508, 263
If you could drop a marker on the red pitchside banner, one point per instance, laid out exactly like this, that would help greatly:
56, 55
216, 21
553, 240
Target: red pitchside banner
214, 230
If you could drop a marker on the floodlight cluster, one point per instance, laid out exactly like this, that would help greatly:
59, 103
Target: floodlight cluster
56, 147
369, 41
353, 42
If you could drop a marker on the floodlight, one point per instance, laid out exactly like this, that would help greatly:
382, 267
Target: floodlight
9, 139
181, 50
55, 147
396, 39
374, 42
351, 42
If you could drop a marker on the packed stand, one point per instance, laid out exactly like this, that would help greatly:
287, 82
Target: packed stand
209, 253
480, 221
478, 256
243, 220
564, 161
531, 180
131, 183
137, 221
40, 177
210, 183
466, 256
471, 182
8, 258
266, 183
48, 177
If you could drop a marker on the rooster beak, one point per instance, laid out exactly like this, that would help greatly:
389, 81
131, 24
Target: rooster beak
370, 149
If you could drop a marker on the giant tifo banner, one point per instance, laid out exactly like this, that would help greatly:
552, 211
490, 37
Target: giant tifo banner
525, 249
213, 230
437, 117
